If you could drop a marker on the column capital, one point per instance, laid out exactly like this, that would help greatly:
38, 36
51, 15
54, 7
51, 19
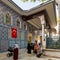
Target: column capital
42, 19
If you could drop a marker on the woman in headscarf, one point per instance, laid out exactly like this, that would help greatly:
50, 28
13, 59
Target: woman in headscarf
15, 52
29, 48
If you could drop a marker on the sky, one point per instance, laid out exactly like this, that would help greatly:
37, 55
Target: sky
27, 5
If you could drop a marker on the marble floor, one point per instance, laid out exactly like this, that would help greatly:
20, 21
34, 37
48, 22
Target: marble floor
24, 56
31, 57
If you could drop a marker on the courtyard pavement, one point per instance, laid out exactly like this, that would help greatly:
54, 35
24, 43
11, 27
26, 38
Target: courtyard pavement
24, 56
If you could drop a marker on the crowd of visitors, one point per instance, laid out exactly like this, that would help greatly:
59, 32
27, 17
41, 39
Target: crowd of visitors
36, 47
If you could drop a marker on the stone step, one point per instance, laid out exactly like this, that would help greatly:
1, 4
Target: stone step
52, 53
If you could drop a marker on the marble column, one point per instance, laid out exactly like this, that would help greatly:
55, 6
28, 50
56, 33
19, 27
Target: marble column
43, 37
43, 34
58, 15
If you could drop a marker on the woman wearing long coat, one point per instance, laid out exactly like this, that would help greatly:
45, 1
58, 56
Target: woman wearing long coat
29, 48
15, 52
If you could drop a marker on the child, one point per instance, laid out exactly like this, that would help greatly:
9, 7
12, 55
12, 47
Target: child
39, 51
35, 48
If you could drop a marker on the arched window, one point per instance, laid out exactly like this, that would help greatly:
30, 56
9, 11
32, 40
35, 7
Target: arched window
1, 14
8, 18
25, 26
18, 23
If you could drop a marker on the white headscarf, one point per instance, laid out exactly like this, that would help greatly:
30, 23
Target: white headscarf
16, 46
